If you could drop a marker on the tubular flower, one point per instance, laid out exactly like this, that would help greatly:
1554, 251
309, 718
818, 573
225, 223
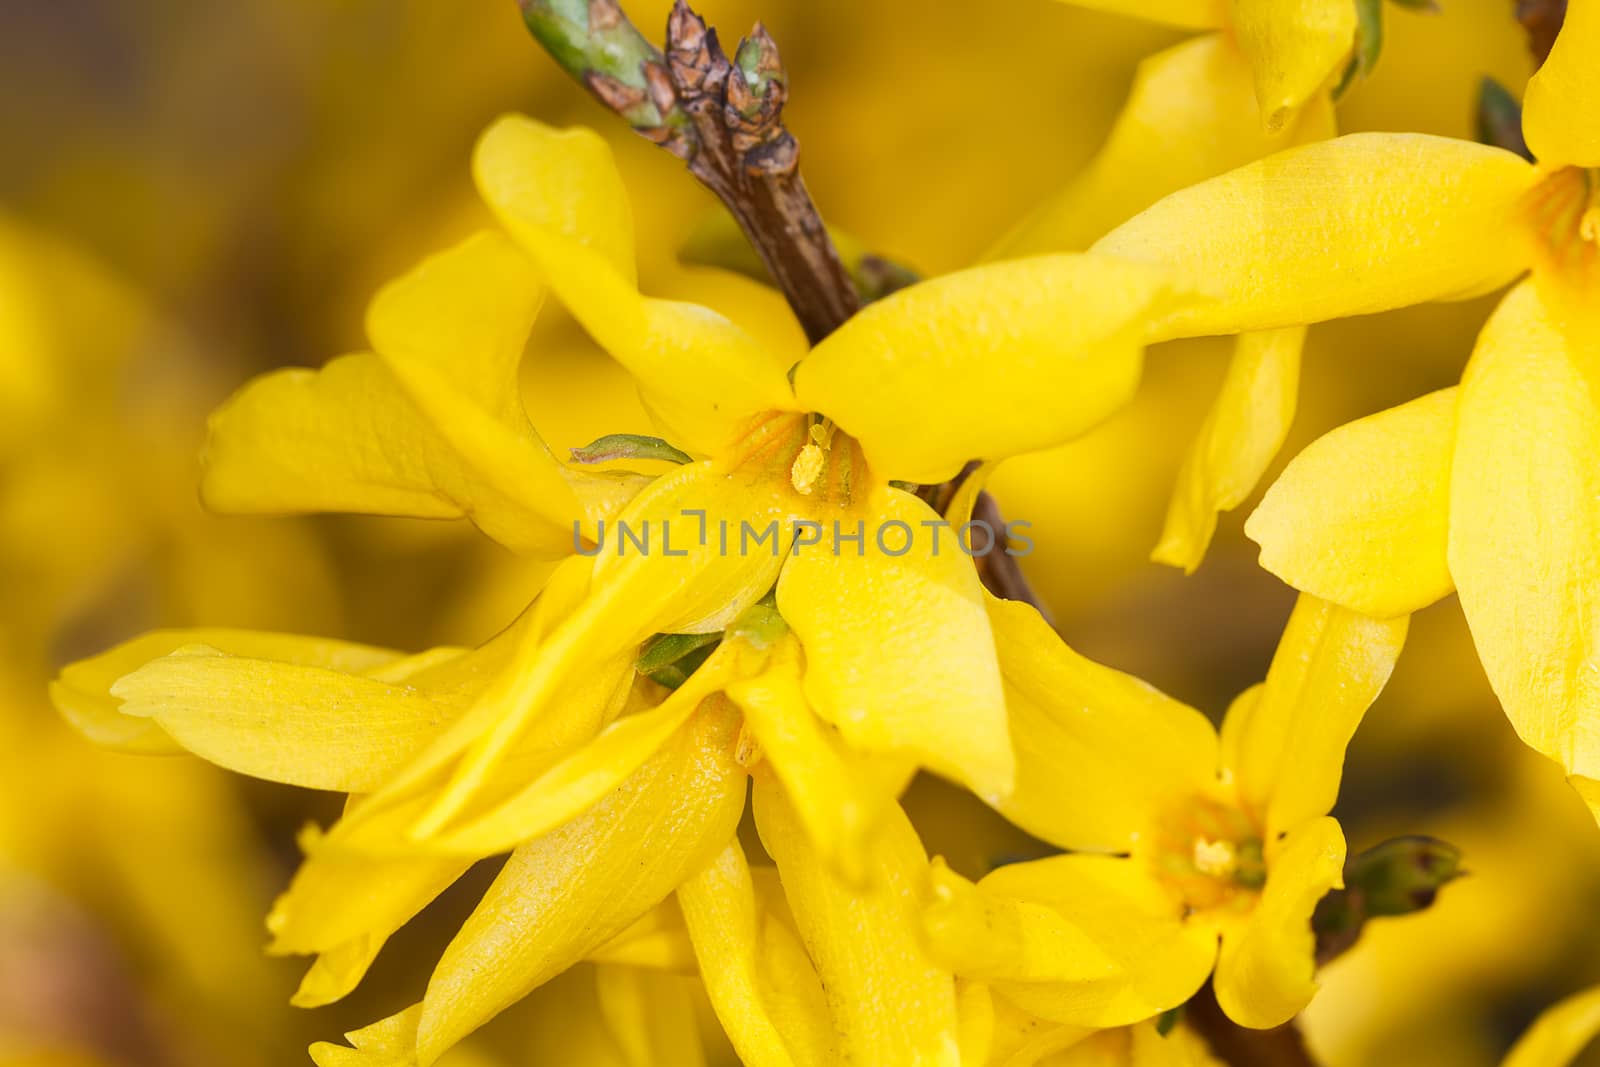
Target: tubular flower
890, 382
1259, 83
1179, 838
609, 790
1488, 488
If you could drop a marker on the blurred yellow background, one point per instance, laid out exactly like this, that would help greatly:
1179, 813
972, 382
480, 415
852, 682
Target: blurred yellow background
192, 193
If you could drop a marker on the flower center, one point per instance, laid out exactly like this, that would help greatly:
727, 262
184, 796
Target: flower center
1209, 854
813, 458
1564, 211
808, 453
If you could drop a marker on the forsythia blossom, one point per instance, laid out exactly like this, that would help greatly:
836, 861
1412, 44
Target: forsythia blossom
611, 740
1490, 488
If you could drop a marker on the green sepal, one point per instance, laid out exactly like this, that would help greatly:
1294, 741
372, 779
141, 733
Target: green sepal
615, 446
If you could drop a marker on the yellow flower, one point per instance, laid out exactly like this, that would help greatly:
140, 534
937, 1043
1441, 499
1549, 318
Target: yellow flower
1193, 114
1489, 488
1192, 110
611, 791
1180, 838
910, 389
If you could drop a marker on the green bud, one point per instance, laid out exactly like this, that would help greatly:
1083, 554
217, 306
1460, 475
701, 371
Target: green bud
1401, 876
760, 625
596, 44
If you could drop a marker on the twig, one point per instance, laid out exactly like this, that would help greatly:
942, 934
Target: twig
724, 119
999, 571
1542, 19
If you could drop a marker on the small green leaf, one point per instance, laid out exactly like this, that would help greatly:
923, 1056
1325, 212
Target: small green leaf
1168, 1020
663, 650
1346, 79
1369, 34
1500, 118
629, 446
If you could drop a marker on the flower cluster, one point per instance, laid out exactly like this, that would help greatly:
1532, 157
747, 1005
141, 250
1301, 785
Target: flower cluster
611, 738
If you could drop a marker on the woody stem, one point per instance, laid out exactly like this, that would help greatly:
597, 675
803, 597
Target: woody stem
724, 119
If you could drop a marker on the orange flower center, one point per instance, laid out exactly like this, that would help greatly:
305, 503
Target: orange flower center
1564, 213
1209, 854
817, 461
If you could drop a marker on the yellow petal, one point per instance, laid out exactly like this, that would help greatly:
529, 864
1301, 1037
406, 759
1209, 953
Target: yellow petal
345, 907
562, 896
890, 1004
1022, 1039
650, 1015
1265, 972
1562, 99
285, 722
1362, 223
82, 694
1185, 14
1288, 751
840, 802
582, 779
386, 1043
1589, 790
1080, 939
681, 582
658, 940
1525, 526
560, 195
1182, 1047
1004, 358
516, 650
1190, 115
334, 974
364, 879
1100, 754
1360, 517
563, 182
976, 1010
899, 655
431, 426
1241, 435
775, 1016
1294, 47
1559, 1034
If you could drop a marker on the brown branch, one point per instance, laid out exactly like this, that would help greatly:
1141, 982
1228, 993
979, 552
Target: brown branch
1542, 19
724, 119
999, 571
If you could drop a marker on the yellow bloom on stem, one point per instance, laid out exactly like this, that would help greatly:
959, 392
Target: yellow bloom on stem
1180, 838
609, 791
1192, 114
1489, 488
909, 389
